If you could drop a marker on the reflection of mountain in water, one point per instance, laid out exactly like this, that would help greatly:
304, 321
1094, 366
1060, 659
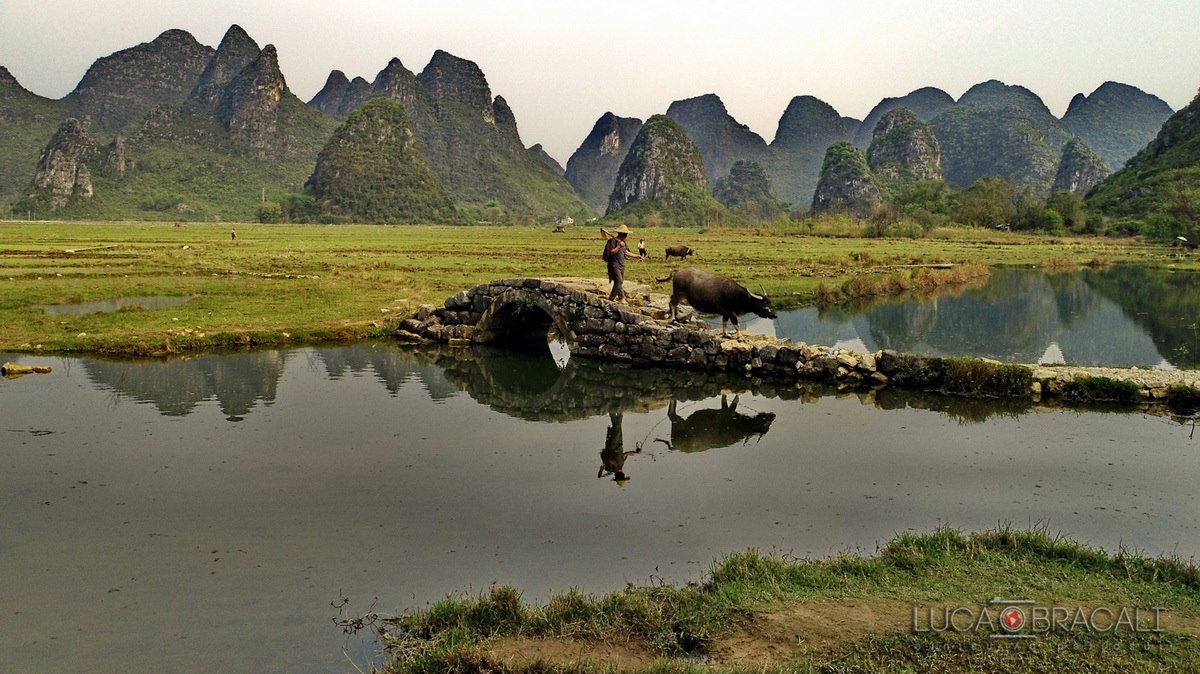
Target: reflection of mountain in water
1092, 318
1165, 304
237, 382
522, 385
393, 367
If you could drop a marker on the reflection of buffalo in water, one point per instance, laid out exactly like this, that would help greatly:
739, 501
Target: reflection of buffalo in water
714, 428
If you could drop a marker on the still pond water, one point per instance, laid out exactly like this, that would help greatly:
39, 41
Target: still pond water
1117, 317
205, 514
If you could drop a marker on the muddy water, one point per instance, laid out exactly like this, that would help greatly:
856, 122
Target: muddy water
205, 514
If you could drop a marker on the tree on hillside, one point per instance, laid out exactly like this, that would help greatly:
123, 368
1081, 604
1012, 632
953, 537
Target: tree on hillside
987, 203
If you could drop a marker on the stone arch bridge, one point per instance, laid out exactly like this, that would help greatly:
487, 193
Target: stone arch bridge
577, 310
527, 311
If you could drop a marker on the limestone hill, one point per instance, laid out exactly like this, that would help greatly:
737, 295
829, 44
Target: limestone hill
663, 175
592, 169
469, 137
1116, 121
1162, 182
372, 170
238, 136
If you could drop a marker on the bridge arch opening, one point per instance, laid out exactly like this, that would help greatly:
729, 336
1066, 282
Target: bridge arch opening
527, 320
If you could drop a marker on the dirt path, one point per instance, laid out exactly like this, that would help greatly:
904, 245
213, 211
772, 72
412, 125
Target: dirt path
773, 636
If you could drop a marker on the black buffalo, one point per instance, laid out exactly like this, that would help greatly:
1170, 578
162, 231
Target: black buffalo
680, 252
714, 428
709, 293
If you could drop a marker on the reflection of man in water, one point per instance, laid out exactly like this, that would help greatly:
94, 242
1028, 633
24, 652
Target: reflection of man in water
612, 457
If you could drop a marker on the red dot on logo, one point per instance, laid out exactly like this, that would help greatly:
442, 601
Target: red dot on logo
1012, 619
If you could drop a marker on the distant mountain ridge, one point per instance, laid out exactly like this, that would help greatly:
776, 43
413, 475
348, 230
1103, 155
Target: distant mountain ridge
172, 128
470, 138
237, 132
592, 168
1139, 116
1162, 181
994, 129
211, 133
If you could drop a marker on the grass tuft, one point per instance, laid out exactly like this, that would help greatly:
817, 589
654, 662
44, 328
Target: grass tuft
1101, 389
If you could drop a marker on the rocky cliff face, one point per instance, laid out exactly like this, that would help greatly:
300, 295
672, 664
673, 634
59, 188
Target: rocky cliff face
62, 174
904, 150
249, 106
339, 97
544, 157
8, 82
329, 99
372, 170
455, 82
721, 139
119, 90
807, 128
236, 51
1080, 169
238, 129
471, 139
846, 183
663, 168
592, 168
926, 103
1116, 120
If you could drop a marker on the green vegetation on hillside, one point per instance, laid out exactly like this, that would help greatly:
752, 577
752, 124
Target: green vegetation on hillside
1158, 191
747, 192
27, 122
372, 170
1116, 120
662, 179
980, 141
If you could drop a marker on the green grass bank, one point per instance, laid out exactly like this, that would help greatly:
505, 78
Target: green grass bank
885, 612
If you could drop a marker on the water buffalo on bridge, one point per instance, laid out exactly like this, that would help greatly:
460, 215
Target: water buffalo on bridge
714, 428
710, 293
680, 252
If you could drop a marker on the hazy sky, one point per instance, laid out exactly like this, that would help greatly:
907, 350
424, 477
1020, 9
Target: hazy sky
562, 64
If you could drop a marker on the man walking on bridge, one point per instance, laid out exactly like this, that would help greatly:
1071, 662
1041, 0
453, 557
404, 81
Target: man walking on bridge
615, 252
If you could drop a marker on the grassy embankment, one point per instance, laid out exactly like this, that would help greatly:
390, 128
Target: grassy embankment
765, 613
279, 284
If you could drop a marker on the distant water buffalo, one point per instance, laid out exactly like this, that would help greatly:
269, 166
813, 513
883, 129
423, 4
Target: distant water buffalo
678, 251
714, 428
710, 293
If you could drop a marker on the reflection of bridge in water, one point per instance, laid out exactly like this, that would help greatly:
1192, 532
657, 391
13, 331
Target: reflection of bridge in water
518, 383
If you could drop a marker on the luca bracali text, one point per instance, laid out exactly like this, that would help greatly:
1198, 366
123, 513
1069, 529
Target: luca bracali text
1026, 619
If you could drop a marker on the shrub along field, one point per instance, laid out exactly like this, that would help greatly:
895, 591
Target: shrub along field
277, 284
